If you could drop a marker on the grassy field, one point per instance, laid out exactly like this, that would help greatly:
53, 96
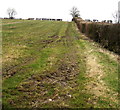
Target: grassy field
49, 64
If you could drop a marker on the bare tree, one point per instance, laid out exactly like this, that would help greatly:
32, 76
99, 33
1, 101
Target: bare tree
115, 16
11, 12
74, 12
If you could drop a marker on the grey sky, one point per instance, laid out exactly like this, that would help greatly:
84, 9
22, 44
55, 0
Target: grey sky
89, 9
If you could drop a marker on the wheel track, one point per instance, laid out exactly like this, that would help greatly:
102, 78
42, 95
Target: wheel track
61, 80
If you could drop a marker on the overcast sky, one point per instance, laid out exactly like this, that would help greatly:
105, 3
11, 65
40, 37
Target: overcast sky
89, 9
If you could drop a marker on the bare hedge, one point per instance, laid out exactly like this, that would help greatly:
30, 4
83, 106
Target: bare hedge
108, 35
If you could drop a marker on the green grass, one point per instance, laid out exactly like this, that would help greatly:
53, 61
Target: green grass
28, 34
32, 49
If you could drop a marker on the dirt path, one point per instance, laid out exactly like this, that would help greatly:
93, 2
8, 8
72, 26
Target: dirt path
52, 87
95, 73
97, 86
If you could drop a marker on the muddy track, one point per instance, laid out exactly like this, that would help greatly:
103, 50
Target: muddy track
56, 82
9, 71
52, 87
14, 69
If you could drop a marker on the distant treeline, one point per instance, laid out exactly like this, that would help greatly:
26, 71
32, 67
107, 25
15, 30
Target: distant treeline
107, 34
49, 19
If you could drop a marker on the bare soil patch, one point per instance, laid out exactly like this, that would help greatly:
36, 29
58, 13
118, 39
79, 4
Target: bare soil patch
96, 86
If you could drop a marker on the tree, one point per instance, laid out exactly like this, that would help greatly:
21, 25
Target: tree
115, 16
11, 12
74, 12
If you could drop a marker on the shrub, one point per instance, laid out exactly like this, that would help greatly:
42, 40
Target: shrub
108, 35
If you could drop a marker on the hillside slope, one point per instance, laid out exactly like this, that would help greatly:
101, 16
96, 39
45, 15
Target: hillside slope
49, 64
